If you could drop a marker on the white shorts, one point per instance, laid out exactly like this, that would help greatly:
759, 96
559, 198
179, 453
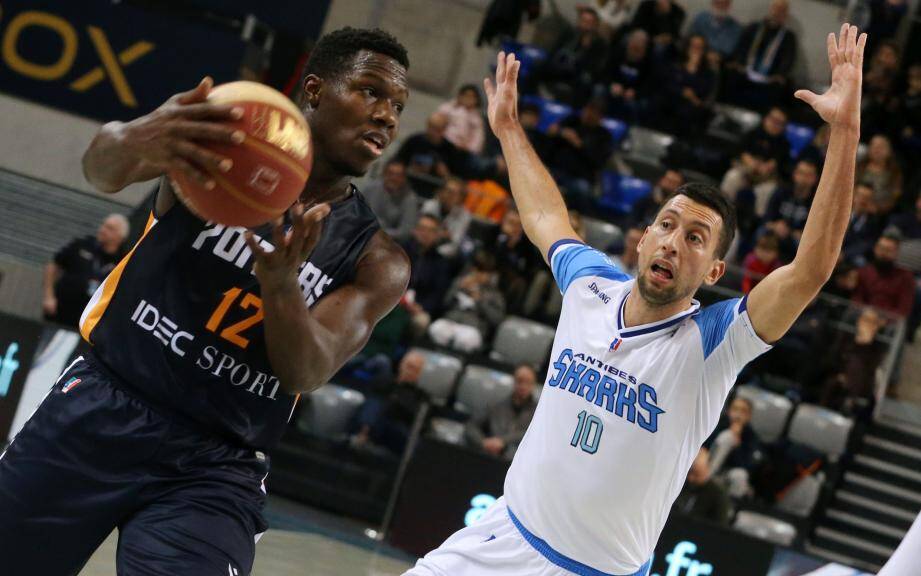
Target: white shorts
494, 546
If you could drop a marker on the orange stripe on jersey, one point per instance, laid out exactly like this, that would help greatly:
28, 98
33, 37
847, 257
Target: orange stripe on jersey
104, 293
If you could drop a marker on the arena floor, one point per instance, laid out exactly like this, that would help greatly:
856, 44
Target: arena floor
307, 541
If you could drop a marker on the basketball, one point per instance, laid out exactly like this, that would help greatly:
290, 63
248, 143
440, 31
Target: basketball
270, 167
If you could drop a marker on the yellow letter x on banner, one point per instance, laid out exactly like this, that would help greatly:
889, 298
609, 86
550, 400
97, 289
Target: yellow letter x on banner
107, 57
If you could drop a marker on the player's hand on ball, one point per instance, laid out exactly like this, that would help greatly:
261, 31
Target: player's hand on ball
502, 97
167, 138
840, 104
278, 267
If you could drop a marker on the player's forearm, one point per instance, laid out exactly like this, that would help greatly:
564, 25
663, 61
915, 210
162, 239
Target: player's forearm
108, 165
536, 195
297, 345
826, 225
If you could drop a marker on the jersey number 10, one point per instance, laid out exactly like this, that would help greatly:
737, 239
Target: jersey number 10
588, 432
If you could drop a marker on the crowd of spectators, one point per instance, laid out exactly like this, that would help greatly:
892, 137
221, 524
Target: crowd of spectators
444, 194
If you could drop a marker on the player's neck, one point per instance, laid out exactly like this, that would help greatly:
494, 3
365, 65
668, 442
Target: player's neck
638, 311
325, 185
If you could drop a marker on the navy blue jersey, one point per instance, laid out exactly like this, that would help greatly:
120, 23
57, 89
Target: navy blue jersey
179, 320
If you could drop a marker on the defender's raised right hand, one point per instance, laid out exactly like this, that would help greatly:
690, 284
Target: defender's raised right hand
502, 97
170, 137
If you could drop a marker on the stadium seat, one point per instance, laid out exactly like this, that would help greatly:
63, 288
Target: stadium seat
480, 389
600, 234
619, 193
799, 136
647, 143
447, 430
820, 429
530, 56
550, 112
800, 499
439, 374
745, 120
617, 129
764, 527
521, 341
328, 410
769, 411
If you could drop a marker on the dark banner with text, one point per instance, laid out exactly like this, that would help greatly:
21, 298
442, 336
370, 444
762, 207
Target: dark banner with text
18, 341
105, 60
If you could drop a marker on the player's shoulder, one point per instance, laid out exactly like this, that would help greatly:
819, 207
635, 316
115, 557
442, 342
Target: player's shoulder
384, 264
572, 260
714, 321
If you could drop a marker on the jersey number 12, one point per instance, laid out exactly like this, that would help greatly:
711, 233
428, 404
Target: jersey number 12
588, 432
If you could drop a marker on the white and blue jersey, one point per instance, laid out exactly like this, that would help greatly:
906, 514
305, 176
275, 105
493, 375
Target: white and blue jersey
622, 416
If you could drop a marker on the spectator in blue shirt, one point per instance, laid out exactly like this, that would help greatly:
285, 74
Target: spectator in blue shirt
721, 30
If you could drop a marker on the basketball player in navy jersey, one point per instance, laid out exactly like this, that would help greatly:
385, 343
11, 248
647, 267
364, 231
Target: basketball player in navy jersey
203, 335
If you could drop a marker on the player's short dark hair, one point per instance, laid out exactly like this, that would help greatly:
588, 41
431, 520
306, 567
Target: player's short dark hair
333, 52
711, 197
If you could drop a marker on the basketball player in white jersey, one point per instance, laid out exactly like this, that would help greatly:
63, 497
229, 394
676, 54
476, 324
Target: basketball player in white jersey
639, 371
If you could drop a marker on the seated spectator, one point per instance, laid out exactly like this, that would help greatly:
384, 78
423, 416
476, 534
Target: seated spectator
386, 417
843, 281
662, 20
789, 207
763, 260
465, 120
864, 226
500, 432
764, 56
885, 17
544, 301
581, 149
628, 260
517, 260
849, 388
627, 76
881, 170
646, 209
614, 15
487, 199
393, 201
529, 117
717, 25
503, 19
735, 449
79, 268
763, 152
683, 107
475, 307
703, 496
573, 67
429, 153
880, 101
910, 112
430, 274
448, 207
908, 224
884, 285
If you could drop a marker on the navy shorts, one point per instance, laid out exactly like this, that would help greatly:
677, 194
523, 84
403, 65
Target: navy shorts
94, 458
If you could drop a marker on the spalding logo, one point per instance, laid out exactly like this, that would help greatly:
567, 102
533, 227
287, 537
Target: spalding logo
289, 135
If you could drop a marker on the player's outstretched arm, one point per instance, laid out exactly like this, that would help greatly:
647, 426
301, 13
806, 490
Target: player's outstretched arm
166, 139
540, 204
780, 298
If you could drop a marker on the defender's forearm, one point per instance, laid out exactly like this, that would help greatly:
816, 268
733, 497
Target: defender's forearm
827, 223
536, 194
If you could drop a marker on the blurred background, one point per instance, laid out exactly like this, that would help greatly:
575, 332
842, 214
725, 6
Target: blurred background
818, 457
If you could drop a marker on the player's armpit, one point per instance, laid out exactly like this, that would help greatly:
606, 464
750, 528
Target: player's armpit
778, 300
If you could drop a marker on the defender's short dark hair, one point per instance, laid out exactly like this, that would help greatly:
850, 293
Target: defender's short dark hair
711, 197
333, 52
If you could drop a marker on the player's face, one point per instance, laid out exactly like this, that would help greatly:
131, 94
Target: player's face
355, 117
678, 252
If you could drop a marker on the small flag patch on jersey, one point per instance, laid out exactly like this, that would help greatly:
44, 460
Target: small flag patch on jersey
615, 345
70, 384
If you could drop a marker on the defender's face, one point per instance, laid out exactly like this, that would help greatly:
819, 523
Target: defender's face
357, 116
677, 252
